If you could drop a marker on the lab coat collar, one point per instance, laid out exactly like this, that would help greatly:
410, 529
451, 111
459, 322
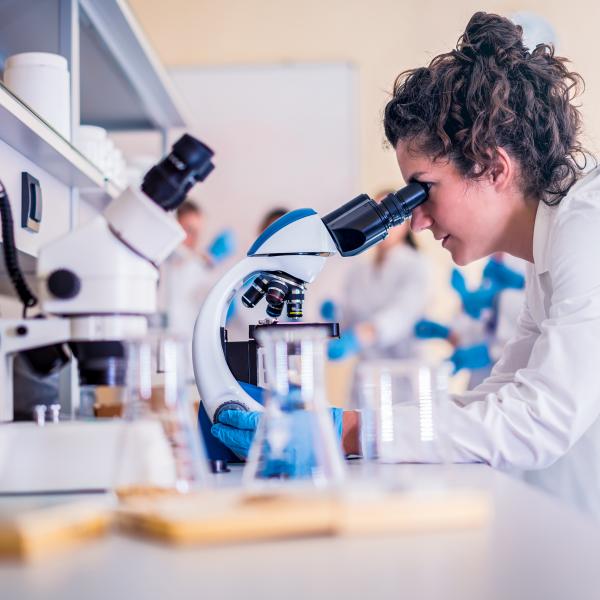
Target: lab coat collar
541, 234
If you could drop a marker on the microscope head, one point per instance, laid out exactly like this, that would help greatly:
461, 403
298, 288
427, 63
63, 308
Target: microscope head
103, 276
168, 182
300, 236
299, 242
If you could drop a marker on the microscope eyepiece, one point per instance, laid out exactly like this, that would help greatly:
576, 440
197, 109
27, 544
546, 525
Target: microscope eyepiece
168, 182
400, 204
362, 222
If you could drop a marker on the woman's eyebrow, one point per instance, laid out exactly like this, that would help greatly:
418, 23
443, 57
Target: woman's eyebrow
416, 175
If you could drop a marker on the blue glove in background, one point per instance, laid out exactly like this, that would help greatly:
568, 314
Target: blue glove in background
502, 276
343, 347
457, 280
473, 302
425, 329
471, 357
236, 429
222, 246
329, 310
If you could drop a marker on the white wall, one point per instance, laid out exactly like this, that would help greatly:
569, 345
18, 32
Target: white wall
283, 135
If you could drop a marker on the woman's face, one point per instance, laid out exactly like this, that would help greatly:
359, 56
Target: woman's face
192, 225
469, 217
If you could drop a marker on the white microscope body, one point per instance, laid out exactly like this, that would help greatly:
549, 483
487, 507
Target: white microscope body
97, 285
295, 246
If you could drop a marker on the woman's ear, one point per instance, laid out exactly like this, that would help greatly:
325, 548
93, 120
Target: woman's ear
502, 171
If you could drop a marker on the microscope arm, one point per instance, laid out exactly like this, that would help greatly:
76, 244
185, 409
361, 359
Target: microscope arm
218, 387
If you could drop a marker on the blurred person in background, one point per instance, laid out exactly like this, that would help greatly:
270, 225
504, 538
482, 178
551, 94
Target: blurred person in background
381, 299
487, 320
189, 273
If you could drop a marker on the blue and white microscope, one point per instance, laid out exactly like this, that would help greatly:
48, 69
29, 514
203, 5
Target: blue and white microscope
286, 257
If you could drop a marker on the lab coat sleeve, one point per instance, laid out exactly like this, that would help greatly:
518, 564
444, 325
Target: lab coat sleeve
534, 419
396, 321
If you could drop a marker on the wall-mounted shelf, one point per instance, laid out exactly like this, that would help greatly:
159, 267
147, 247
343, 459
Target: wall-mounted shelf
123, 85
29, 134
116, 56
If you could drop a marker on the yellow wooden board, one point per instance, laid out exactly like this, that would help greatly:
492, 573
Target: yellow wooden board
223, 516
37, 530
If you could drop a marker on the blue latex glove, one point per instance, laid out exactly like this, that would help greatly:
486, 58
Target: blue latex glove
473, 302
222, 246
471, 357
425, 329
236, 429
502, 276
329, 310
343, 347
457, 280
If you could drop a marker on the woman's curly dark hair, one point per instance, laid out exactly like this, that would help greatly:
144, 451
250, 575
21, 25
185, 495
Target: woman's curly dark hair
492, 92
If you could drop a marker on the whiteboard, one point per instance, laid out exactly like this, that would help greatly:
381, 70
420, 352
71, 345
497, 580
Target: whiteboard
283, 135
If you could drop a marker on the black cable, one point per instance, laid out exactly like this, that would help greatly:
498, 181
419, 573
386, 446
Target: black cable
10, 254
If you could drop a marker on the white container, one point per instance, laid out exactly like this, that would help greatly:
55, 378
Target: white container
94, 143
41, 80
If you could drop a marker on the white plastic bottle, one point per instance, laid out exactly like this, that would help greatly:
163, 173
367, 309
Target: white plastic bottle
41, 80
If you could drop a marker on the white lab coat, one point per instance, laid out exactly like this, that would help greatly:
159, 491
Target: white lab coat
538, 412
392, 297
185, 282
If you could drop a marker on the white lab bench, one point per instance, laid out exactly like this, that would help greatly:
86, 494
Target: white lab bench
534, 547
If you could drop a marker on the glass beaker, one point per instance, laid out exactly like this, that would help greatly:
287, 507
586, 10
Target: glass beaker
161, 445
295, 439
404, 411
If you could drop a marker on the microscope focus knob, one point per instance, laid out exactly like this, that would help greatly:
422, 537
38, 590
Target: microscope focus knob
64, 284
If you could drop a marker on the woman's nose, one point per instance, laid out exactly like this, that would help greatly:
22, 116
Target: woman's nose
420, 219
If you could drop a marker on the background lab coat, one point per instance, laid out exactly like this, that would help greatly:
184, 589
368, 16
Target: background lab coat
538, 411
391, 296
185, 282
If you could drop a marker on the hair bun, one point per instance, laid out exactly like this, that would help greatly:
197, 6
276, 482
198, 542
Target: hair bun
492, 35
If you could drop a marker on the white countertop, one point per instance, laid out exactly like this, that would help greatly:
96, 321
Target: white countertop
534, 547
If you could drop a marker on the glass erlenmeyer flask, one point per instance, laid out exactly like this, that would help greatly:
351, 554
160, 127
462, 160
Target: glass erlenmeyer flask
295, 439
405, 418
161, 446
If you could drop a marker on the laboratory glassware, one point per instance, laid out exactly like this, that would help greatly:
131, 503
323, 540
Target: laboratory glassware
161, 445
295, 439
404, 411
